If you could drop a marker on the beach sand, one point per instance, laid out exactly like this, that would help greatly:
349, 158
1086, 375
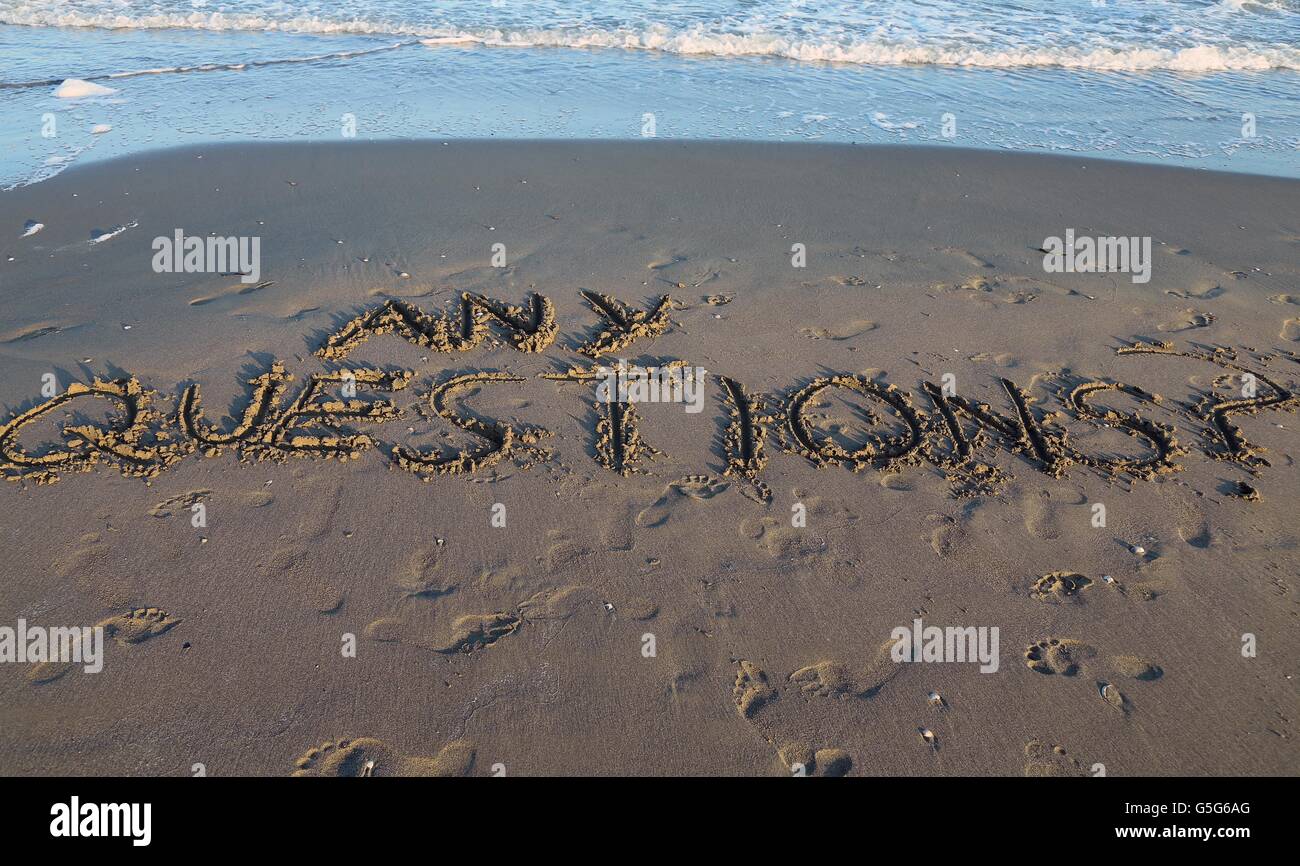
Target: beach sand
651, 605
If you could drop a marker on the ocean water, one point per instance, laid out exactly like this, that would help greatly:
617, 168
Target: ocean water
1203, 83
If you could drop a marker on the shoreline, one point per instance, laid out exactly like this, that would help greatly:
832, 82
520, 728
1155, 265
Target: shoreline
923, 147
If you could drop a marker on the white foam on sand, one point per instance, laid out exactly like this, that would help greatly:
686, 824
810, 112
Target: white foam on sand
102, 236
75, 88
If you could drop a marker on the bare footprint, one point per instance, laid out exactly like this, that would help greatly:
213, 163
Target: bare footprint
128, 628
967, 256
1059, 586
1058, 656
696, 488
826, 679
1042, 519
949, 536
752, 689
1069, 657
831, 679
138, 625
1136, 668
366, 756
1045, 760
475, 631
800, 760
562, 553
179, 502
422, 577
844, 331
1187, 320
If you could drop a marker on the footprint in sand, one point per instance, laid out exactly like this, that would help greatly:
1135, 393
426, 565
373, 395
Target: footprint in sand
32, 332
132, 627
1058, 586
1045, 760
752, 690
831, 679
366, 756
949, 535
1070, 657
1136, 668
616, 529
781, 541
1187, 320
1290, 330
1042, 516
422, 577
1058, 656
692, 488
971, 284
475, 631
750, 694
179, 502
845, 331
558, 604
467, 634
1001, 359
256, 498
967, 256
825, 679
231, 291
139, 625
801, 760
1203, 294
562, 553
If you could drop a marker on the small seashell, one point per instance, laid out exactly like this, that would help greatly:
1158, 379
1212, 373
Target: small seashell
1139, 550
935, 699
927, 735
1106, 578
